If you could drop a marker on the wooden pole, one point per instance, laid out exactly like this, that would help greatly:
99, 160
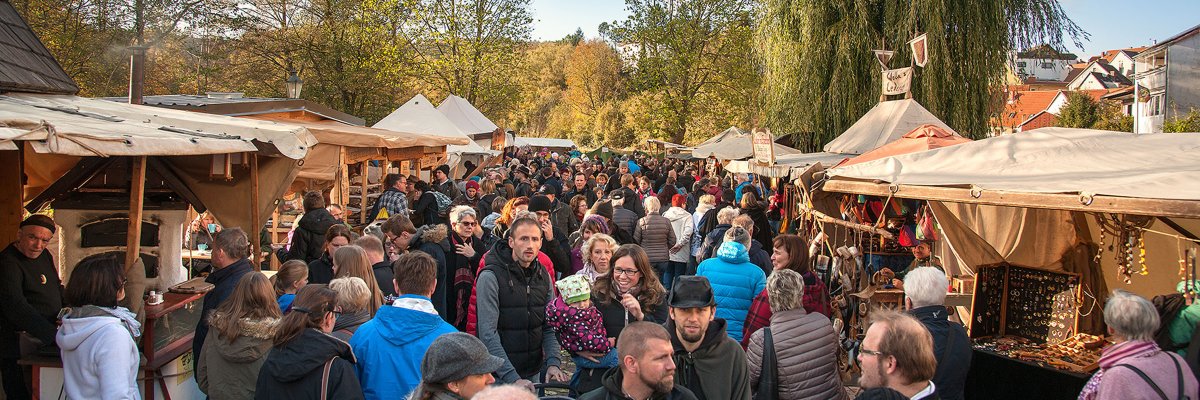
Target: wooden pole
137, 194
11, 199
362, 202
255, 218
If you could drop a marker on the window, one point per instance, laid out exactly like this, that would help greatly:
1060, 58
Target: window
1020, 64
1155, 106
1047, 65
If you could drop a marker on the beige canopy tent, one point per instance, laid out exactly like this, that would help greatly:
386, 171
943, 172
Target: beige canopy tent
419, 116
1042, 198
734, 144
883, 124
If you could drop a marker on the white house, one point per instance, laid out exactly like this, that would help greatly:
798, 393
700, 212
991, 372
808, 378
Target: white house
1168, 80
1122, 59
1042, 63
1098, 74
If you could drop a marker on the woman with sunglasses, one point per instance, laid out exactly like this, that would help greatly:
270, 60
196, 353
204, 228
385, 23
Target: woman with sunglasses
629, 292
306, 362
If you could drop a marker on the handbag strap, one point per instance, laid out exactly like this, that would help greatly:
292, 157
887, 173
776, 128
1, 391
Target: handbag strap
325, 378
769, 373
1157, 389
945, 352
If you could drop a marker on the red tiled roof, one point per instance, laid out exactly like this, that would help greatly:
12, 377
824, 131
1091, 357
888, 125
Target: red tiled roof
1040, 120
1026, 104
1109, 55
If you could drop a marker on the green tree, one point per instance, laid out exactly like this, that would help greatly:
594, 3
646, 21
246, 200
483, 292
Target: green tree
1081, 111
1189, 122
592, 76
822, 75
682, 51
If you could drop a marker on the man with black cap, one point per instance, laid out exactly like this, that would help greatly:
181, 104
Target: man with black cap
624, 218
443, 183
31, 292
555, 246
708, 362
457, 366
561, 215
520, 178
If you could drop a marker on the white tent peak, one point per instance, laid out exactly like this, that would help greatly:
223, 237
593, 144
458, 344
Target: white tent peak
464, 115
882, 124
418, 116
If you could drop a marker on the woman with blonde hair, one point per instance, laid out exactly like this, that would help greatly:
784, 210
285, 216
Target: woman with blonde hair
354, 297
239, 339
597, 253
353, 261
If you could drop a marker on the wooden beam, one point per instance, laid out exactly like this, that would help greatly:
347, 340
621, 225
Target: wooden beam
255, 219
1050, 201
171, 176
362, 202
11, 194
80, 174
137, 194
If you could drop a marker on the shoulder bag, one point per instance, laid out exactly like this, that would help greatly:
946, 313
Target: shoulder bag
768, 377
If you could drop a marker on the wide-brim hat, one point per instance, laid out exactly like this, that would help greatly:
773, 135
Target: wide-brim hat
691, 291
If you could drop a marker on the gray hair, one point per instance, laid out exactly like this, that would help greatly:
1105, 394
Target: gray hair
504, 392
458, 212
785, 290
653, 206
233, 242
726, 215
1130, 316
926, 286
738, 234
586, 250
353, 295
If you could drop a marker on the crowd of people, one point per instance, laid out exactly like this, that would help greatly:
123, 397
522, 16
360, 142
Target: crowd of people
657, 279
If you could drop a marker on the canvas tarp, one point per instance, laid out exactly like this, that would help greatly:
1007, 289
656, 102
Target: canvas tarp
925, 137
419, 116
341, 134
734, 144
1053, 160
882, 124
537, 143
466, 116
71, 125
784, 165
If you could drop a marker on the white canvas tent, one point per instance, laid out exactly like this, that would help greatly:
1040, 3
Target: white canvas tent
734, 144
1035, 199
538, 143
466, 116
882, 124
418, 115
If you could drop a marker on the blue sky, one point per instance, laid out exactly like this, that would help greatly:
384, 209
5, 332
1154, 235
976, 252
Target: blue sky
1112, 23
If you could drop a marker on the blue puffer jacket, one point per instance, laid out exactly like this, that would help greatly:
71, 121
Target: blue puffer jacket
390, 346
735, 282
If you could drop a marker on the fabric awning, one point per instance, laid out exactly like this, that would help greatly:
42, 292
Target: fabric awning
1052, 160
784, 165
337, 133
883, 124
418, 116
925, 137
71, 125
735, 144
466, 116
543, 142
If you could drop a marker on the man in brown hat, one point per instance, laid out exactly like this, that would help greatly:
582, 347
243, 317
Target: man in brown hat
31, 292
708, 362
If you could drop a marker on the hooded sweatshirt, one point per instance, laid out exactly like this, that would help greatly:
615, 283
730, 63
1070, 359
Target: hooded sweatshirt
99, 356
308, 242
228, 370
716, 370
294, 371
735, 282
392, 345
428, 240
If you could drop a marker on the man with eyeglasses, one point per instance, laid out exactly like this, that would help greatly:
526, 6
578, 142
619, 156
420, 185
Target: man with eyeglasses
708, 362
31, 292
897, 358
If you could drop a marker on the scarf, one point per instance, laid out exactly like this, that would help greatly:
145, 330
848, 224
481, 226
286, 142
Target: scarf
1117, 354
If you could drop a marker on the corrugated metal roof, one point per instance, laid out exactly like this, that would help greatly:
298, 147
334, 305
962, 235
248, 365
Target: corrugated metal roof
25, 63
243, 106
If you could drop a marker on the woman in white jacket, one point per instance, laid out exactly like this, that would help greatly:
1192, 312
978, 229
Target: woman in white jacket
99, 356
681, 223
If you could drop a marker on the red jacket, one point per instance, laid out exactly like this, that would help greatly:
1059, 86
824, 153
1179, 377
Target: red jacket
816, 300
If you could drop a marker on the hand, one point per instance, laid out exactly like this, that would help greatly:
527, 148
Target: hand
556, 374
632, 306
465, 249
547, 229
591, 356
526, 384
675, 248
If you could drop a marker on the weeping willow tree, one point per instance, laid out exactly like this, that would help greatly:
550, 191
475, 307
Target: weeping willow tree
821, 76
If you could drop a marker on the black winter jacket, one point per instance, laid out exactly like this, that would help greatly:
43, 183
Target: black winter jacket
612, 390
294, 370
951, 375
308, 242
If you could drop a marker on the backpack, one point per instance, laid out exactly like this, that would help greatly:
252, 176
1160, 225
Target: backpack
1168, 307
443, 203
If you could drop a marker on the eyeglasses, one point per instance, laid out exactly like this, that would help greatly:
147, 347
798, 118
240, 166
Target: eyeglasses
465, 223
626, 272
864, 350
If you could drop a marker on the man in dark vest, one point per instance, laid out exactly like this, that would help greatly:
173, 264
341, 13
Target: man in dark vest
513, 284
31, 292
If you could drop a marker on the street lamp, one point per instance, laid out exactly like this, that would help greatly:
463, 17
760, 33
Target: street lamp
294, 85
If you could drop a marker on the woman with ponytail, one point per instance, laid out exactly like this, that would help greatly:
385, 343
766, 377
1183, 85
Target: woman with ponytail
306, 362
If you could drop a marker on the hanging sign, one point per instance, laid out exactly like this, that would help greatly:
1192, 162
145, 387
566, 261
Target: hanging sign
897, 81
498, 137
920, 50
883, 56
763, 146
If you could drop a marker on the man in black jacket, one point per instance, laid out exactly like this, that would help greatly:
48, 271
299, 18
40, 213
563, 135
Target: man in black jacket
555, 240
580, 187
229, 259
405, 237
308, 242
32, 295
646, 370
380, 266
925, 299
708, 362
443, 183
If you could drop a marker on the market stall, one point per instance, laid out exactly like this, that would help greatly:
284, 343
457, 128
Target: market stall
120, 178
1084, 209
419, 116
734, 144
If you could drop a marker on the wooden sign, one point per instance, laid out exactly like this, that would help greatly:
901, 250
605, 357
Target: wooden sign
498, 137
763, 146
433, 160
897, 81
920, 50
